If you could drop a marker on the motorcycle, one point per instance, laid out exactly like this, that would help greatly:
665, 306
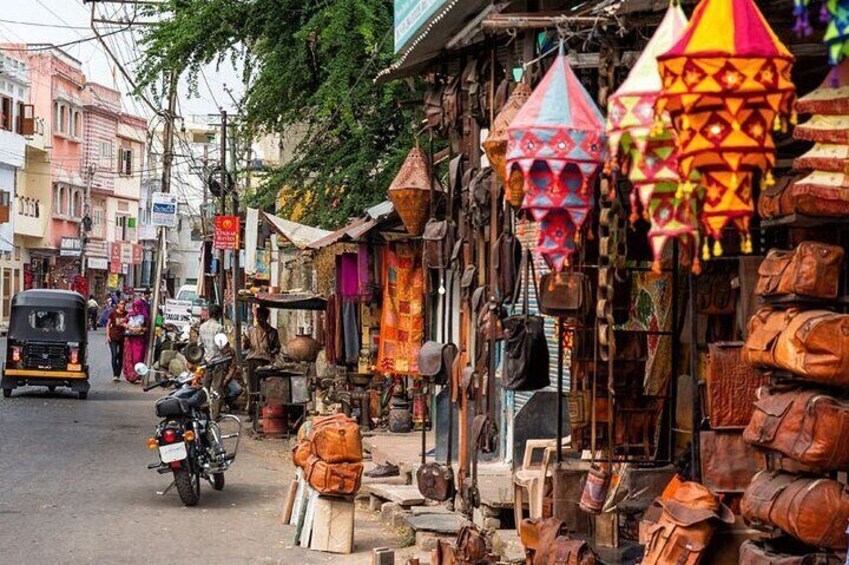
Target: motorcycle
189, 442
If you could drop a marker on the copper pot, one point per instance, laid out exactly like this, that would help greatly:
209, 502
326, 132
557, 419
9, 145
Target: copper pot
303, 347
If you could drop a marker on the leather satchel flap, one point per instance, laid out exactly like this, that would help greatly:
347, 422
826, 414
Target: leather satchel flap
774, 408
431, 358
764, 329
435, 230
468, 278
775, 263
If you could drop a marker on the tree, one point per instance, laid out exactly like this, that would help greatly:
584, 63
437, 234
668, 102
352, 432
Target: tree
308, 64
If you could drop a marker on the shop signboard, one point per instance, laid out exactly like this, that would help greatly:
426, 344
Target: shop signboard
411, 16
126, 253
226, 232
114, 280
70, 247
263, 265
98, 263
163, 210
178, 312
137, 254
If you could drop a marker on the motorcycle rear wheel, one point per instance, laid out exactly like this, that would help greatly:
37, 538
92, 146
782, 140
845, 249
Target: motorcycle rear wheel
188, 486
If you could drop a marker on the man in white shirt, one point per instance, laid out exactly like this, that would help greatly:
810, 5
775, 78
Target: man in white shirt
207, 332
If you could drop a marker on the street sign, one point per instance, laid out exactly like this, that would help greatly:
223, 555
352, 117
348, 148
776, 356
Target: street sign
178, 312
98, 263
163, 210
226, 232
70, 247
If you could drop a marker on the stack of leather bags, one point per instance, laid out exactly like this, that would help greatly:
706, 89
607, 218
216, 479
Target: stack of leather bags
821, 186
800, 424
330, 452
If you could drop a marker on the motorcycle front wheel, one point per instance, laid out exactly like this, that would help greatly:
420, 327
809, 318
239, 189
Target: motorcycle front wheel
188, 486
218, 481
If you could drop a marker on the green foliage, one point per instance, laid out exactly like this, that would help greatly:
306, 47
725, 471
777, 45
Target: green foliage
310, 65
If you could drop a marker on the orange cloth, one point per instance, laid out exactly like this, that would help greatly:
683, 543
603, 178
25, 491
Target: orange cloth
402, 322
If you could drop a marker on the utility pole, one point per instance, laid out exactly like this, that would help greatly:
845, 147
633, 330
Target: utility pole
167, 161
237, 329
85, 224
222, 276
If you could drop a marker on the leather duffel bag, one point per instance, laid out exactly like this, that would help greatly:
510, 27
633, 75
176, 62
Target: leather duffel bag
301, 454
764, 552
813, 510
732, 386
337, 440
334, 478
807, 426
811, 270
812, 344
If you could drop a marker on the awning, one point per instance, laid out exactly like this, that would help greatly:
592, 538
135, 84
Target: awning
299, 235
358, 228
288, 301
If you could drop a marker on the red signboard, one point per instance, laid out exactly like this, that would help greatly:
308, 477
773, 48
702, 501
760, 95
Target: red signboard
115, 255
137, 254
226, 232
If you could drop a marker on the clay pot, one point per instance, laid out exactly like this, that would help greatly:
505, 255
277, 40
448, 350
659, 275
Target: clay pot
303, 348
400, 418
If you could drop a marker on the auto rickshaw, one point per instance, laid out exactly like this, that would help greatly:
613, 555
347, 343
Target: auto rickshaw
47, 342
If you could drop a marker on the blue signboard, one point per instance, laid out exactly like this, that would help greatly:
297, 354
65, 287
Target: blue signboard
410, 16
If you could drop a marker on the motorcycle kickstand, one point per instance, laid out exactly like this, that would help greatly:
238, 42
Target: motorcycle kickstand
169, 487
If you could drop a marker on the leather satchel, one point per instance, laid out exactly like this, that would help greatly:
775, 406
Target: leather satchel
812, 344
471, 547
334, 478
771, 552
438, 239
436, 481
526, 349
811, 270
728, 462
338, 442
565, 294
567, 551
436, 361
813, 510
732, 386
807, 426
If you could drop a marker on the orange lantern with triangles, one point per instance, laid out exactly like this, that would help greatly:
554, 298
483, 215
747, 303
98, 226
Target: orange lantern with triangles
726, 85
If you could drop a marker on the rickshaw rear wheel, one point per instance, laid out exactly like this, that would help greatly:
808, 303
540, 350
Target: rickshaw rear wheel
83, 395
7, 392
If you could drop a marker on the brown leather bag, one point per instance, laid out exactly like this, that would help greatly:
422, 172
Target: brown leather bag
806, 425
565, 294
337, 440
812, 344
732, 386
768, 552
812, 510
471, 547
567, 551
537, 536
436, 481
821, 194
436, 360
811, 270
438, 236
334, 478
728, 462
301, 454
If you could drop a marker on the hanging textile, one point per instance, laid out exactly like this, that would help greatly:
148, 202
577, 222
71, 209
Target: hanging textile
642, 144
556, 144
726, 85
402, 322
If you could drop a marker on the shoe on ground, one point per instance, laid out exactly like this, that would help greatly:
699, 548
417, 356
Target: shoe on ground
387, 470
116, 379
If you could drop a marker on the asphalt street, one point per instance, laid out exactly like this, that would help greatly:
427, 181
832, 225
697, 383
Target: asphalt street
75, 488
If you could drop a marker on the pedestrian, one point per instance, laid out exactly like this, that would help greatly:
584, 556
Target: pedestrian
207, 332
115, 338
92, 312
135, 339
262, 342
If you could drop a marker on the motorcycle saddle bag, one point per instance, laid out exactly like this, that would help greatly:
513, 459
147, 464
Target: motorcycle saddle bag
337, 441
171, 407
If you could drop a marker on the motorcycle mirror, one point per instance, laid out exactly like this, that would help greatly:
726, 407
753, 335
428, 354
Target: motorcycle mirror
142, 369
221, 340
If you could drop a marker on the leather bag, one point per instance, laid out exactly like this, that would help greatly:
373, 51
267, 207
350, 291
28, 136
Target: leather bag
526, 349
436, 481
811, 270
764, 552
813, 510
301, 454
715, 294
728, 462
565, 294
436, 360
806, 195
508, 260
438, 239
812, 344
334, 478
471, 546
807, 426
337, 440
567, 551
732, 386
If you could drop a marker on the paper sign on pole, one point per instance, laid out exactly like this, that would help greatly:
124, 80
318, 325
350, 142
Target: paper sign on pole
178, 312
163, 210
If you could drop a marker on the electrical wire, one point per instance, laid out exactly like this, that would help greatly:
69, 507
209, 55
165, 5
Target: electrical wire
39, 24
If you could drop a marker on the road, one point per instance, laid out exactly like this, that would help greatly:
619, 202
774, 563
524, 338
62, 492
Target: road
74, 487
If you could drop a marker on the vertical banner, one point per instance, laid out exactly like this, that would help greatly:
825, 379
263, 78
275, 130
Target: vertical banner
251, 234
226, 232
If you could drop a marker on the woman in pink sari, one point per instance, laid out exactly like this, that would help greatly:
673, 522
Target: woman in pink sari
135, 339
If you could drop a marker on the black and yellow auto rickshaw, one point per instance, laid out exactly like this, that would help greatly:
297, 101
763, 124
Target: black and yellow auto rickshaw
47, 342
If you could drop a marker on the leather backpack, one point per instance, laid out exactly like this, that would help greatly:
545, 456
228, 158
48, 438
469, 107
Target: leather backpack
526, 349
813, 344
811, 270
807, 426
333, 478
471, 547
813, 510
438, 237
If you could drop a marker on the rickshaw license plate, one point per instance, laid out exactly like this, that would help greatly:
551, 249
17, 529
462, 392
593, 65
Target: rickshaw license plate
173, 452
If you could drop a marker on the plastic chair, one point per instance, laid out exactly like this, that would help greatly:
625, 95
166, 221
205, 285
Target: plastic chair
530, 480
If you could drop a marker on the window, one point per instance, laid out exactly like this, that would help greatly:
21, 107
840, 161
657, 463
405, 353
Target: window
106, 149
121, 227
77, 126
60, 200
5, 206
125, 162
26, 119
76, 204
47, 321
63, 119
55, 117
7, 118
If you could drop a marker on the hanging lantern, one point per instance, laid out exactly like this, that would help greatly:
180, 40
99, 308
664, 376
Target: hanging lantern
496, 144
642, 144
410, 192
556, 146
726, 85
835, 13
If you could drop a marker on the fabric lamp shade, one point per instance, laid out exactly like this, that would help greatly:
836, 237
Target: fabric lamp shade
496, 144
410, 191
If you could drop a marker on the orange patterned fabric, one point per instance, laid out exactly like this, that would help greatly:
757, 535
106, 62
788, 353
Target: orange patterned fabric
402, 322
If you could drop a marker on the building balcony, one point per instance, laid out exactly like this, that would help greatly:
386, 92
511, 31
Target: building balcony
30, 217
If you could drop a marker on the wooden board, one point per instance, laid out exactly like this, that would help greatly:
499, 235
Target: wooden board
333, 525
309, 517
289, 501
403, 495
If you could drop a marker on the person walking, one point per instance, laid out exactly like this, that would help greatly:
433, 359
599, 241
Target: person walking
135, 339
115, 338
92, 312
262, 342
207, 332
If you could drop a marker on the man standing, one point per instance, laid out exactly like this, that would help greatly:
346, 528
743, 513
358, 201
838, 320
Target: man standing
115, 338
262, 344
92, 312
207, 332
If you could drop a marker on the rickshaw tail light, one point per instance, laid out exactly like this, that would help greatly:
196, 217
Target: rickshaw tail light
189, 435
169, 435
152, 443
75, 355
16, 354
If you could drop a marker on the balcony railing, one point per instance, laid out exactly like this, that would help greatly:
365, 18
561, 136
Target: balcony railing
29, 207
